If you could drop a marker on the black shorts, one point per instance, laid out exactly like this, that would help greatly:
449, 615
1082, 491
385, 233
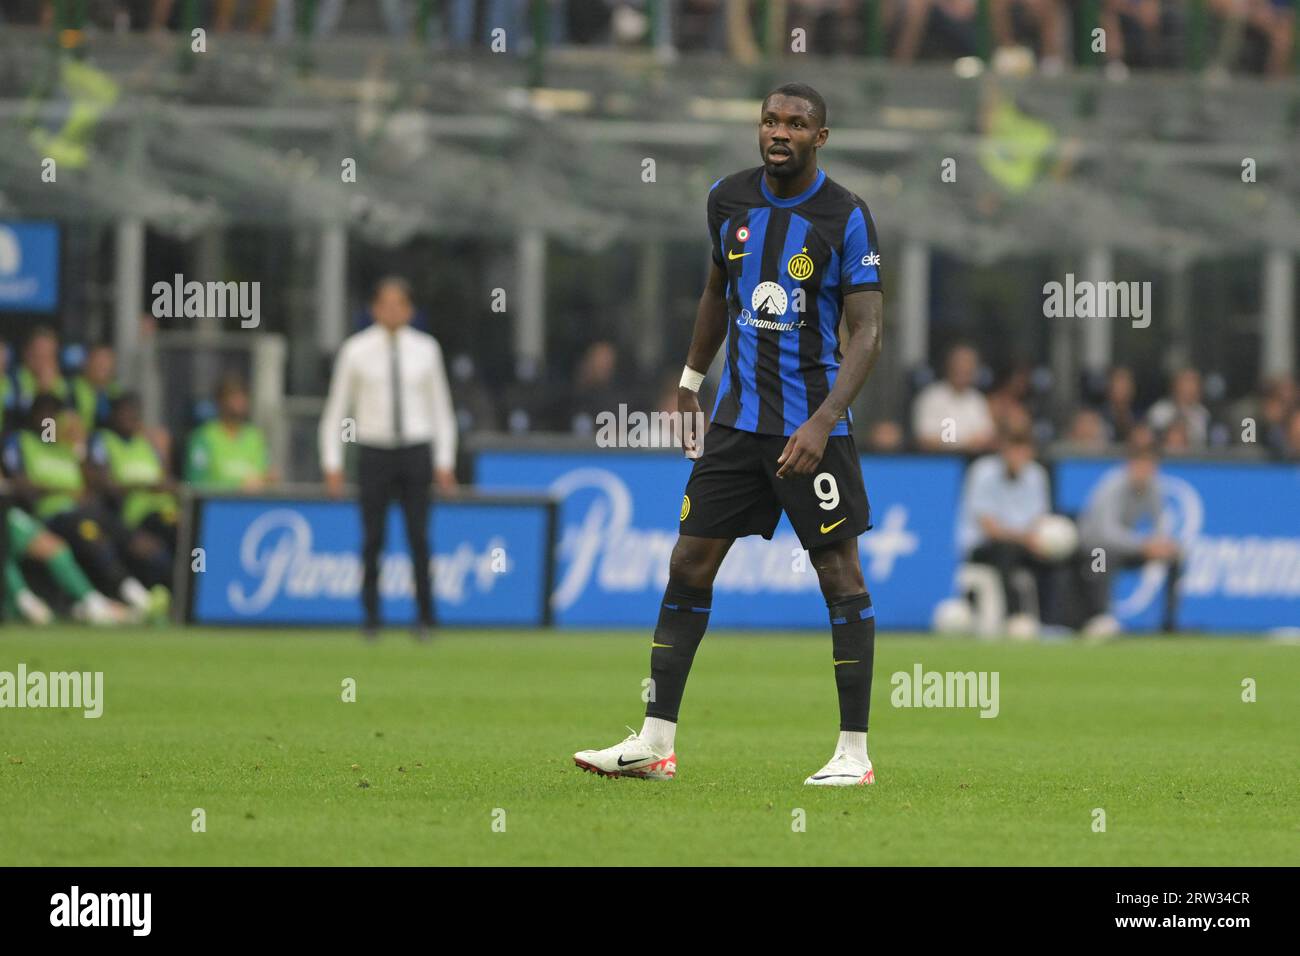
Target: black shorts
733, 490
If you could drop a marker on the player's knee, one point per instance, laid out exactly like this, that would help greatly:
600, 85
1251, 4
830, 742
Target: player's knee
692, 563
838, 573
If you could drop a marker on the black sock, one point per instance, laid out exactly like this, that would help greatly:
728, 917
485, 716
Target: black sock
683, 616
853, 640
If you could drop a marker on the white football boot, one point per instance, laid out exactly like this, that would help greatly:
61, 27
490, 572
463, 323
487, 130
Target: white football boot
631, 758
843, 771
32, 608
94, 608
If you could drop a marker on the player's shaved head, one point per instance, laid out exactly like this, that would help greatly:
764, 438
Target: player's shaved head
805, 92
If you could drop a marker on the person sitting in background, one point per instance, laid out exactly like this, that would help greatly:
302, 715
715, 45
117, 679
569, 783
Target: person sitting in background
96, 386
39, 372
1087, 431
1003, 496
128, 471
1290, 448
229, 453
1272, 411
885, 437
29, 541
1183, 402
1009, 398
1046, 16
952, 414
1117, 406
1112, 519
1133, 35
950, 22
43, 463
1270, 24
595, 388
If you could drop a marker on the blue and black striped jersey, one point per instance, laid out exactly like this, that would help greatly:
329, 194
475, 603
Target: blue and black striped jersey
789, 264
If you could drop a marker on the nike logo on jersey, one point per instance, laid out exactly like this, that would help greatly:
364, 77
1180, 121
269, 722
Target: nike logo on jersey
827, 529
732, 255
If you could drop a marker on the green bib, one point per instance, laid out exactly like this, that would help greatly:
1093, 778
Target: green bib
53, 467
27, 387
134, 464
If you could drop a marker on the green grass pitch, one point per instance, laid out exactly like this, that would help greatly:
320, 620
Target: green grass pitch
442, 738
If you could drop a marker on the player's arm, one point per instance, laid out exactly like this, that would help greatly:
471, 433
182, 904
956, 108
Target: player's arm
863, 321
98, 477
710, 331
337, 404
20, 486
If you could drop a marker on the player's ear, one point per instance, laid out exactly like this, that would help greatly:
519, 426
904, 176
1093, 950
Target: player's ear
822, 135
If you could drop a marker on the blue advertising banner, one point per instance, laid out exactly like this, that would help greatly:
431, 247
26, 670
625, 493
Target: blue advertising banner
287, 561
1239, 525
29, 266
618, 521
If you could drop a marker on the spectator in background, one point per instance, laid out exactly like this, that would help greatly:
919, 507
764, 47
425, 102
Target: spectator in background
832, 25
95, 388
885, 437
128, 471
1087, 431
39, 372
952, 22
1290, 449
1117, 406
1176, 438
229, 453
475, 409
952, 414
1003, 496
1133, 35
1113, 517
1183, 402
1273, 409
1270, 24
1047, 18
594, 388
1008, 400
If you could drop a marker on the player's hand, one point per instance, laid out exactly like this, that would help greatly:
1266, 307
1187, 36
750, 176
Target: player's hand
692, 422
334, 484
444, 479
803, 452
1160, 549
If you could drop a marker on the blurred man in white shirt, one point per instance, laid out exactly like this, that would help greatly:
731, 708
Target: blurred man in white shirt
952, 414
1003, 497
389, 393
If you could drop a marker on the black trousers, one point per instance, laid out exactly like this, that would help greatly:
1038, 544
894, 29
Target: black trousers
404, 475
1096, 586
1007, 557
99, 543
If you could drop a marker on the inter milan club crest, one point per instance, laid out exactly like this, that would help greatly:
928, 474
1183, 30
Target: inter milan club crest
800, 266
742, 234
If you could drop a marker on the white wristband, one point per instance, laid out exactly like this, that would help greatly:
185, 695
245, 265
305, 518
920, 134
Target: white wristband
691, 379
